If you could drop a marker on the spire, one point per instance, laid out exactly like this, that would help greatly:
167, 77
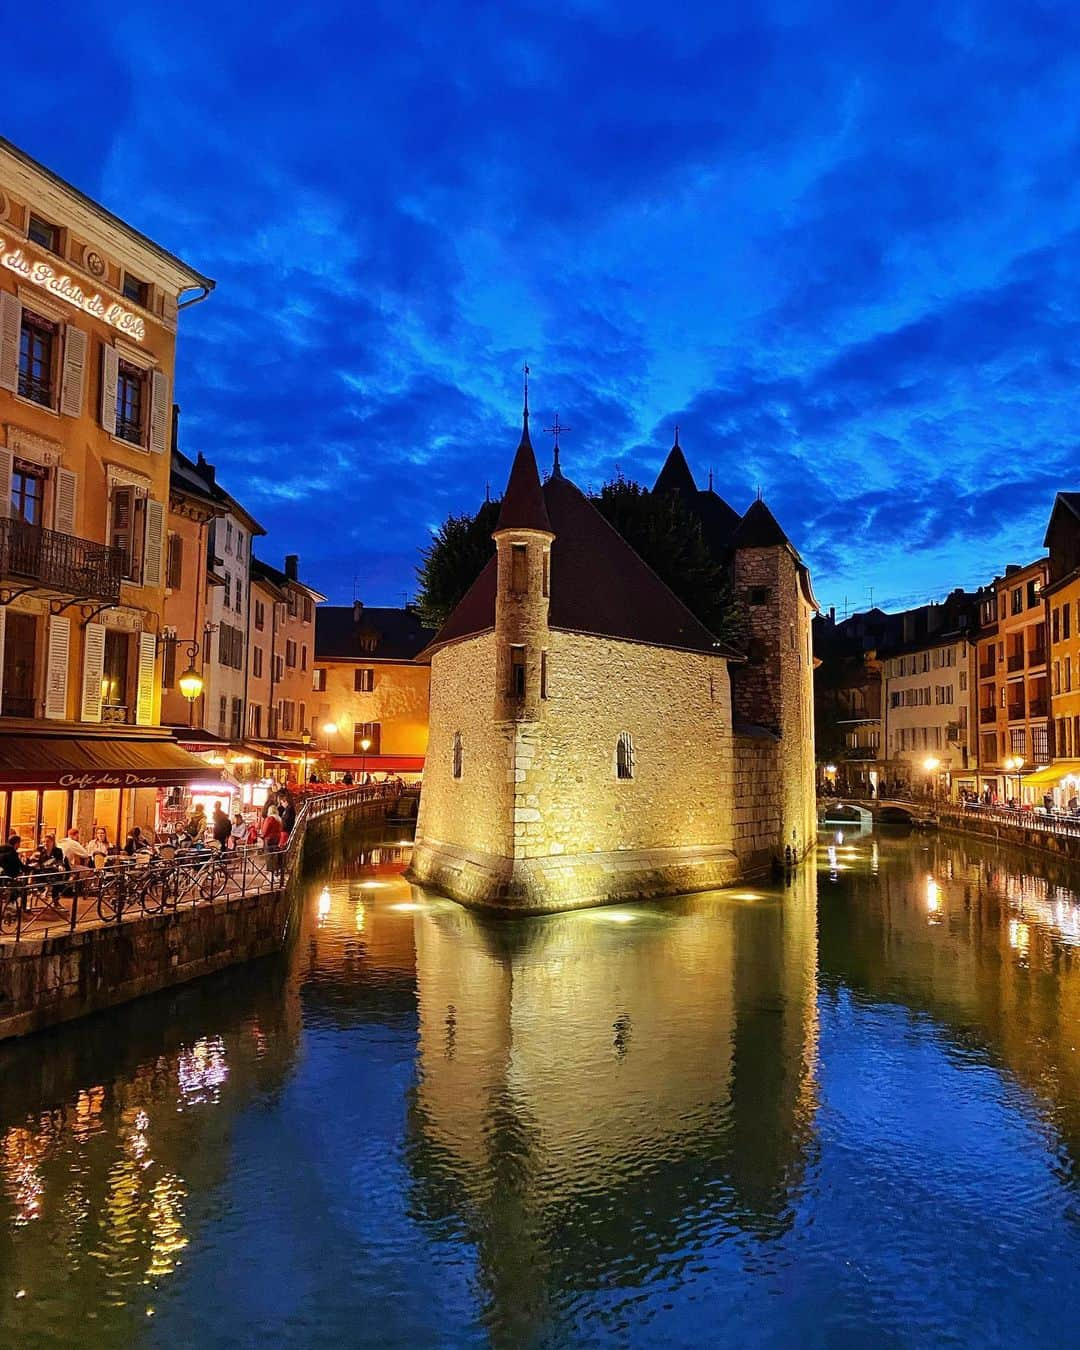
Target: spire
675, 476
676, 445
556, 429
523, 501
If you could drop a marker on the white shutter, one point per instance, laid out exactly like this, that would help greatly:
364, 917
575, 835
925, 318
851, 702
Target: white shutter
144, 706
93, 671
7, 461
110, 372
10, 327
153, 542
56, 676
159, 411
64, 507
74, 376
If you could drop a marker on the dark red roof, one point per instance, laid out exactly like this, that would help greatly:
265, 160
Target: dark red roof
523, 501
599, 585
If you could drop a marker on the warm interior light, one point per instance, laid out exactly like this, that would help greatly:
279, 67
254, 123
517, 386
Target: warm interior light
930, 763
365, 745
329, 728
191, 684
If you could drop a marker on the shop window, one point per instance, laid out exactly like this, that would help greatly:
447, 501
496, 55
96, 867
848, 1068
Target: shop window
43, 233
457, 754
37, 353
363, 680
624, 756
130, 403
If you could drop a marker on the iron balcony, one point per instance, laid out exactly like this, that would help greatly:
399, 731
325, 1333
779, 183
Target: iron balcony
59, 562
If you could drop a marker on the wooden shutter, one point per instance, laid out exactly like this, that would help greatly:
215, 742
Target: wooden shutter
56, 675
155, 530
64, 506
144, 706
74, 374
7, 461
93, 671
159, 411
10, 328
110, 372
123, 510
174, 567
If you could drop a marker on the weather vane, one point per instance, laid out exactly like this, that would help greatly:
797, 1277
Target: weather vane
556, 429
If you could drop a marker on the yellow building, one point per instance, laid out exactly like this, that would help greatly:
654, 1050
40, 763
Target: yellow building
89, 311
366, 687
282, 630
1062, 596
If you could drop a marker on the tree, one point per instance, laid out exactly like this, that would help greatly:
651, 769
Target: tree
452, 561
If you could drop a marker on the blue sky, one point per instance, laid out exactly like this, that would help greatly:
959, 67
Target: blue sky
836, 243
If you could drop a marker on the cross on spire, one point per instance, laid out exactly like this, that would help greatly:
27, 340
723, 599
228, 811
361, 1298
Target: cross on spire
525, 368
556, 429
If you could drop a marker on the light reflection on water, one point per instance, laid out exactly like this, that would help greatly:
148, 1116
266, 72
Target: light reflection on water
842, 1109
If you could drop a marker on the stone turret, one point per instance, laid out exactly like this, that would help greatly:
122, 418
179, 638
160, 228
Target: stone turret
523, 537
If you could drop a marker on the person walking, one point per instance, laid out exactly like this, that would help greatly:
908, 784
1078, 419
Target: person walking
271, 831
286, 813
222, 827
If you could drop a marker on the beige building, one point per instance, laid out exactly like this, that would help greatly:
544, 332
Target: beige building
928, 728
369, 695
582, 742
282, 630
89, 312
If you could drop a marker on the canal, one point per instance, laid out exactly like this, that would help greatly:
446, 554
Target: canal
837, 1111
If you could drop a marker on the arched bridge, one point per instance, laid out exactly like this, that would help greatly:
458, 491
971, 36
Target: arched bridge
885, 811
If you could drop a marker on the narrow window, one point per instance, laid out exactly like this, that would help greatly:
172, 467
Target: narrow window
517, 672
318, 680
363, 680
174, 562
457, 754
136, 290
624, 756
130, 382
37, 343
547, 571
519, 558
41, 232
543, 675
759, 595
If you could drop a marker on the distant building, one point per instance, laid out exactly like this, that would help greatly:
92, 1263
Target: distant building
1061, 778
368, 688
287, 635
583, 741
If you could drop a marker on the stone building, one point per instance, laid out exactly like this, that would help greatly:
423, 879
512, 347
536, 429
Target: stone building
586, 743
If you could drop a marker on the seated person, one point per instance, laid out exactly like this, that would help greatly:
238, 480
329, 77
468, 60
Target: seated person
11, 864
75, 852
137, 842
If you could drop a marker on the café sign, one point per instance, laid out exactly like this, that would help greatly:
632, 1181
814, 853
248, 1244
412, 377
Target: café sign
43, 274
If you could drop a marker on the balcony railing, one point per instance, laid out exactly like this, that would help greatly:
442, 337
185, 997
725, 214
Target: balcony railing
1037, 656
1016, 661
63, 562
1016, 712
988, 714
986, 670
1037, 707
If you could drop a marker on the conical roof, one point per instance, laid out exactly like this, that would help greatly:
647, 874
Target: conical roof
523, 501
675, 476
759, 528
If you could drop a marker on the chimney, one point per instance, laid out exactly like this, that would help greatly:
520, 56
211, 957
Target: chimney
357, 610
206, 469
832, 613
291, 562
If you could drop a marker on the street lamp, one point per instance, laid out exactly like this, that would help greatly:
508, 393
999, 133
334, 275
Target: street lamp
931, 764
365, 746
190, 682
1014, 765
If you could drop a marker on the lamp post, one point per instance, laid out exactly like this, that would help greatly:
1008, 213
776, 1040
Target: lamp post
365, 746
1014, 765
190, 682
305, 737
931, 764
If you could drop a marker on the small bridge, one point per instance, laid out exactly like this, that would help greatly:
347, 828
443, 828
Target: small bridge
885, 811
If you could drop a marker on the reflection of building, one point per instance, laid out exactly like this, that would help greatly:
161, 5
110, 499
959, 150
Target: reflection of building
1012, 701
606, 1064
368, 687
88, 320
587, 740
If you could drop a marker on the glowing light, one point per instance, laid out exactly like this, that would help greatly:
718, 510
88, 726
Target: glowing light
617, 916
930, 764
324, 902
329, 728
373, 885
43, 274
933, 896
839, 836
753, 895
191, 684
406, 906
359, 918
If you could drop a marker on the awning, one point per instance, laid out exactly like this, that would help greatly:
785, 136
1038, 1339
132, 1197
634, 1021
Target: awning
1051, 775
377, 763
87, 761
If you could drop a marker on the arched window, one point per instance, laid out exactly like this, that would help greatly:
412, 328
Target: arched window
624, 756
457, 754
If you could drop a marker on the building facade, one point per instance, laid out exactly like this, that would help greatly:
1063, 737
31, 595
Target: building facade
369, 695
287, 614
927, 697
89, 313
1061, 778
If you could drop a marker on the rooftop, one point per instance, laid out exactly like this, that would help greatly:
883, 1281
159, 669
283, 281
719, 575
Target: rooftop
369, 633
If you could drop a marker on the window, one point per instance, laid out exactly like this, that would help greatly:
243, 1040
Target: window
136, 290
41, 232
624, 756
240, 545
174, 562
363, 680
127, 530
228, 536
236, 728
1055, 625
293, 604
260, 615
279, 668
254, 719
367, 731
130, 382
27, 492
318, 680
257, 662
1018, 600
239, 597
1068, 673
228, 591
1066, 622
114, 676
302, 722
307, 609
288, 709
223, 714
231, 647
1034, 591
517, 672
519, 568
290, 653
1040, 744
168, 664
759, 595
1018, 740
303, 656
37, 345
457, 755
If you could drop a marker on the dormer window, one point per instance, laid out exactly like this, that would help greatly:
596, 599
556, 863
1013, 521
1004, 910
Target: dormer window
42, 232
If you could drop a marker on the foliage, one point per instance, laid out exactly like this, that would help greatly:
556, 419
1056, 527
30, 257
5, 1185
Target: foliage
452, 562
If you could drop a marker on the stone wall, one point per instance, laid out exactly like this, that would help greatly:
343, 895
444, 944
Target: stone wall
759, 820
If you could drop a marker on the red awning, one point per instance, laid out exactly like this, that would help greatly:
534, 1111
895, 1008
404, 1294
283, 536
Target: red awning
377, 763
86, 761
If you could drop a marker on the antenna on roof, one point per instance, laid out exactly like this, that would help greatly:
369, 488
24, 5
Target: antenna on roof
710, 480
487, 492
759, 492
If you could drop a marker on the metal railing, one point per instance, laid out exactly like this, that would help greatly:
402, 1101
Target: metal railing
63, 561
1027, 817
53, 900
